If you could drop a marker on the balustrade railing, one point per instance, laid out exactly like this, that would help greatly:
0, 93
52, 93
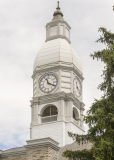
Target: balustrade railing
77, 122
49, 119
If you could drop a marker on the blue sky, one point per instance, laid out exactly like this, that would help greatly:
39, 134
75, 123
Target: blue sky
22, 34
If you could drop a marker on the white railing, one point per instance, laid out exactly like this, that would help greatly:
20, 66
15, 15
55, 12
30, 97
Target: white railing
49, 119
77, 122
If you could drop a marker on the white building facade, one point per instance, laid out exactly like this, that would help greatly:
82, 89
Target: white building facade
57, 105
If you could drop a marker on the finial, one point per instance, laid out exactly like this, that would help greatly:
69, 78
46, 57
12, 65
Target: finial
58, 8
58, 12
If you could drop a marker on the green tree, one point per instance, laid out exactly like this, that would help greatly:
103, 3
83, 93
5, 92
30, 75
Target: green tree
100, 116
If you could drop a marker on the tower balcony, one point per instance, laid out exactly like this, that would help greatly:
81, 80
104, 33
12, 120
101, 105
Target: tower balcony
49, 118
54, 118
76, 121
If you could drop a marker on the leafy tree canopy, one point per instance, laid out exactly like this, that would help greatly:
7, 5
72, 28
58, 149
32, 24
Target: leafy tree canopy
100, 116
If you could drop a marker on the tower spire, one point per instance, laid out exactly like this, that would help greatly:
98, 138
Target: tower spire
58, 12
58, 8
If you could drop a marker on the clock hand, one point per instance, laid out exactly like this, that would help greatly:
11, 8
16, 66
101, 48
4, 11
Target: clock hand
49, 83
52, 84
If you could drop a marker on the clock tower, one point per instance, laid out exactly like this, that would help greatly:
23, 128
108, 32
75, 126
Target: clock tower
57, 104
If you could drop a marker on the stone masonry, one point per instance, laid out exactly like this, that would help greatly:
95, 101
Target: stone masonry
23, 157
43, 153
38, 149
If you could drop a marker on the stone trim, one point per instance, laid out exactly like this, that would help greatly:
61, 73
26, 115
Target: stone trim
57, 21
43, 142
57, 96
59, 66
58, 36
57, 122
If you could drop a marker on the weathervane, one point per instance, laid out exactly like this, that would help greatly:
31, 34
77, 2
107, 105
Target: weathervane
58, 8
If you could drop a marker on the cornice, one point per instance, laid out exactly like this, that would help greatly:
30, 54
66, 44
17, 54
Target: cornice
57, 21
58, 96
59, 66
44, 142
58, 36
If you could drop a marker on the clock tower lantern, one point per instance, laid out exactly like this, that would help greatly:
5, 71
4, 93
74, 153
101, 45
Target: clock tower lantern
57, 104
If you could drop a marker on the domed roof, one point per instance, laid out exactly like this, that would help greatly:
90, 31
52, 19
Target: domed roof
58, 12
57, 50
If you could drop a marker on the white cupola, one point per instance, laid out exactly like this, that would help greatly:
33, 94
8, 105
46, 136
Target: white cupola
58, 27
57, 47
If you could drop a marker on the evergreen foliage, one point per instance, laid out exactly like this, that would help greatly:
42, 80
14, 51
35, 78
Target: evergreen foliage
100, 116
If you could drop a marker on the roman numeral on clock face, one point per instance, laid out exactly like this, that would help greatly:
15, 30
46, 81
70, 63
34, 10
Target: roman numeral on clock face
77, 87
48, 82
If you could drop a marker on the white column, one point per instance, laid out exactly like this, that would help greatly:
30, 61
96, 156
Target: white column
34, 114
39, 116
69, 34
81, 117
48, 31
69, 110
31, 114
60, 80
30, 133
64, 30
58, 28
82, 92
72, 84
61, 111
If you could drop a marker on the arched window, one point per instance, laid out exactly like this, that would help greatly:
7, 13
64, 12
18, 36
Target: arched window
75, 114
49, 114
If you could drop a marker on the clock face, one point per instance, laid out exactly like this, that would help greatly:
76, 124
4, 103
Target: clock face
48, 82
77, 87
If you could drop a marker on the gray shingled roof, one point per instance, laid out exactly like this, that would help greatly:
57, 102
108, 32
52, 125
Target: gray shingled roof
14, 150
74, 146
